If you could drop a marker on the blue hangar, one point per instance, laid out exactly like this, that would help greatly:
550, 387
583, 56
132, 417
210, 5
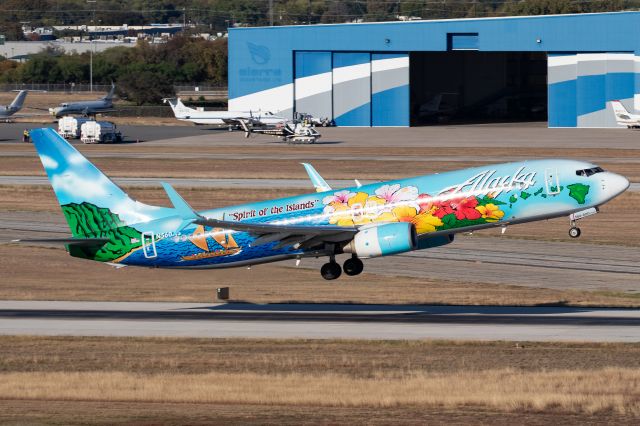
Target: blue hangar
562, 68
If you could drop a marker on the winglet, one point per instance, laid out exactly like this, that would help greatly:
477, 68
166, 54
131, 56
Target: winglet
179, 204
318, 182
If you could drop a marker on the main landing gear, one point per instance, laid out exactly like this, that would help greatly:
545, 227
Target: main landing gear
353, 266
332, 270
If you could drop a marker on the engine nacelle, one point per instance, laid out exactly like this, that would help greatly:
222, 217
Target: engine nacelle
383, 240
431, 242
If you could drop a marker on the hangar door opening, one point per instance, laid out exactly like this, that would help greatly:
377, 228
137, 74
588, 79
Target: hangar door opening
467, 86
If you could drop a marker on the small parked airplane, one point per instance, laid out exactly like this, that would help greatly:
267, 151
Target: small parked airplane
7, 111
86, 108
366, 221
624, 117
230, 118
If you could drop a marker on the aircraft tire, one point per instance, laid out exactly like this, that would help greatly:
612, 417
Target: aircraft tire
574, 232
353, 266
331, 271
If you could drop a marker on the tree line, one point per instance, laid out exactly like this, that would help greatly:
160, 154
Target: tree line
144, 73
216, 15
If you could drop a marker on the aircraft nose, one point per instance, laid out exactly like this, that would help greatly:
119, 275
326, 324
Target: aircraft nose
615, 184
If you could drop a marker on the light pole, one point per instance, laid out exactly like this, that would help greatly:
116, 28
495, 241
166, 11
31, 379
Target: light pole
93, 18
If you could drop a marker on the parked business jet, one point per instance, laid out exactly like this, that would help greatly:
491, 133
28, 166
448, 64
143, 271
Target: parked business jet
86, 108
230, 118
366, 221
624, 117
7, 111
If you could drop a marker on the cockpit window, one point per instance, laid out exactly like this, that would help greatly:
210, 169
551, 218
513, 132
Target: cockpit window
589, 172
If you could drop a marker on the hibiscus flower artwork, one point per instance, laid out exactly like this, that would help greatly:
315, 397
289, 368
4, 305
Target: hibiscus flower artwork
393, 203
394, 195
490, 212
423, 222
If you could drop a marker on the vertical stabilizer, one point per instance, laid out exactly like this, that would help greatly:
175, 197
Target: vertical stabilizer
618, 108
179, 109
90, 201
112, 91
17, 103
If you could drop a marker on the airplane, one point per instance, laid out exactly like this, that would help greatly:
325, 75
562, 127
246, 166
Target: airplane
86, 108
7, 111
365, 221
230, 118
624, 117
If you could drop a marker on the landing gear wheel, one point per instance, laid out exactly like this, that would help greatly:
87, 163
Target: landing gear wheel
353, 266
574, 232
330, 271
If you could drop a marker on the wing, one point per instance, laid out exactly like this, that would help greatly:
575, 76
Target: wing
299, 236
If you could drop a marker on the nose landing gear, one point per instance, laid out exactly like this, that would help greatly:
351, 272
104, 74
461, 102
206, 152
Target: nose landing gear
574, 232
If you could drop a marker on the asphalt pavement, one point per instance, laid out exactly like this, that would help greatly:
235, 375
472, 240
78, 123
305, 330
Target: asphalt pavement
319, 321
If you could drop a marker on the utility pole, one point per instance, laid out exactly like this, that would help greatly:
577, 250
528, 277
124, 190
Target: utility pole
271, 13
93, 19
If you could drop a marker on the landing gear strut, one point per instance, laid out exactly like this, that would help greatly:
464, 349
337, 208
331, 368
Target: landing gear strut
574, 231
353, 266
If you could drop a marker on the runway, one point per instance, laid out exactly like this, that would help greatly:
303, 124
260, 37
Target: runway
241, 183
319, 321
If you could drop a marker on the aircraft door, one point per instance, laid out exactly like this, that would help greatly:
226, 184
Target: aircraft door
552, 181
149, 245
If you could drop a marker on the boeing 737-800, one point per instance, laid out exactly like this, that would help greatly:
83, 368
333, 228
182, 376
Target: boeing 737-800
230, 118
366, 221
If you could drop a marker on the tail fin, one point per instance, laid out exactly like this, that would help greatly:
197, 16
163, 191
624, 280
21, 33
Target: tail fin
618, 108
19, 100
92, 204
112, 91
179, 109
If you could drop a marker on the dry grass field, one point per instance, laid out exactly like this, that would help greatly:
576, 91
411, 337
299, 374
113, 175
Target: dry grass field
282, 380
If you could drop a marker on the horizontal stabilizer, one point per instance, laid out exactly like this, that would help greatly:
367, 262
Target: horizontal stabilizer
78, 242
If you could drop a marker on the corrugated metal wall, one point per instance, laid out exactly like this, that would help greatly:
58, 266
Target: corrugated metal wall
390, 89
582, 86
353, 88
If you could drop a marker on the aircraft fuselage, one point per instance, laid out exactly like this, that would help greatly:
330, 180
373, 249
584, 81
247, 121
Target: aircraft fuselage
438, 206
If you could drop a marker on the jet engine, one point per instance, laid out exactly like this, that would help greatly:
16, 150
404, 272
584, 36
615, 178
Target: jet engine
383, 240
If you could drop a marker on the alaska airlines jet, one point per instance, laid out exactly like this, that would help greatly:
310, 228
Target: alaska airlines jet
9, 110
624, 117
87, 108
233, 118
366, 221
